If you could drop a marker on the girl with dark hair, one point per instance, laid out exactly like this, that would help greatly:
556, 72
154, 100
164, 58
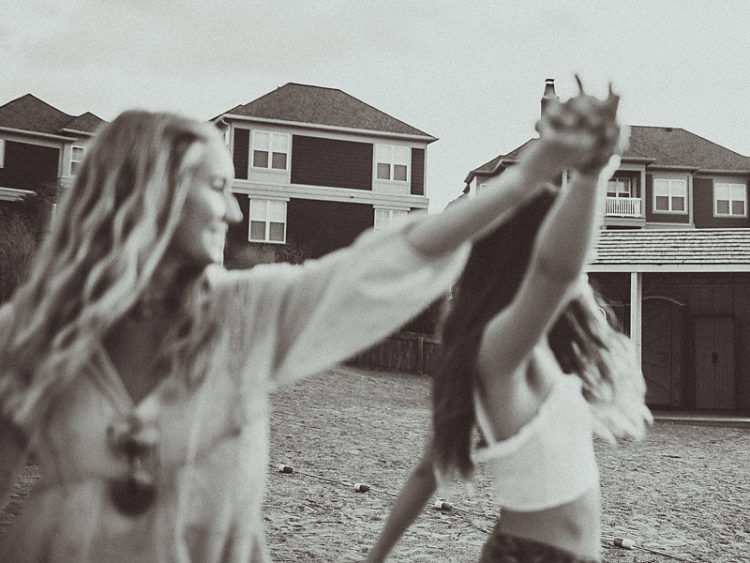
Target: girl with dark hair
529, 359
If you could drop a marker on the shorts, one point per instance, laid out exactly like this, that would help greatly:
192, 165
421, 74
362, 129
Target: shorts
504, 548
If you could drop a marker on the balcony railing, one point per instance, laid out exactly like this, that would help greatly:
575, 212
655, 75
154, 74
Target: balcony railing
623, 207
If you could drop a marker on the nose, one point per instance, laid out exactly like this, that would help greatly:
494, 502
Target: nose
233, 212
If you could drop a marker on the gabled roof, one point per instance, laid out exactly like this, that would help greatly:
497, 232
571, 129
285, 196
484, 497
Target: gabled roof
323, 106
29, 113
657, 146
673, 250
86, 123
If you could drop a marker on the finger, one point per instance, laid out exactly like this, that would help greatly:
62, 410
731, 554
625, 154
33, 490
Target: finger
580, 84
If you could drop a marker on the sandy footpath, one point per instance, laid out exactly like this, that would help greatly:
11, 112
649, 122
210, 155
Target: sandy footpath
682, 495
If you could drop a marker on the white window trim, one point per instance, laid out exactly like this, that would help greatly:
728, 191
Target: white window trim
618, 179
729, 186
267, 220
2, 153
71, 160
392, 217
271, 134
669, 184
380, 149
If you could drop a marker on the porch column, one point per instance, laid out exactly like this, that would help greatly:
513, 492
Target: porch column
636, 309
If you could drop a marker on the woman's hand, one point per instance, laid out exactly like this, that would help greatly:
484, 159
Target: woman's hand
581, 133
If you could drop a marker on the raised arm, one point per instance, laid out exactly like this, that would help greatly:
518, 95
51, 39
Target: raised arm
564, 239
472, 218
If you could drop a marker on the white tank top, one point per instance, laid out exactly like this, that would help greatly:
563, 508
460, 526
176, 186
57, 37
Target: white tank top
550, 461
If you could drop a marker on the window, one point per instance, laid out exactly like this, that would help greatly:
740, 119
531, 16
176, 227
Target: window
2, 153
670, 196
730, 200
387, 218
392, 163
267, 220
270, 150
620, 187
76, 157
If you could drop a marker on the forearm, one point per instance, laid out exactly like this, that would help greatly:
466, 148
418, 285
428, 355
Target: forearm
472, 218
410, 502
570, 229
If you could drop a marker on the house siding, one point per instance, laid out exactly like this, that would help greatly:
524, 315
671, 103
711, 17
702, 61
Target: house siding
29, 166
417, 171
713, 296
318, 227
241, 153
703, 196
330, 162
684, 298
313, 228
677, 218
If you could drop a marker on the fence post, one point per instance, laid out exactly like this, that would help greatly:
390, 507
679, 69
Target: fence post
420, 355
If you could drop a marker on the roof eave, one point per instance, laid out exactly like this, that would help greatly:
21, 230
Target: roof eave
30, 133
644, 159
77, 132
14, 194
692, 169
722, 171
306, 125
681, 267
504, 162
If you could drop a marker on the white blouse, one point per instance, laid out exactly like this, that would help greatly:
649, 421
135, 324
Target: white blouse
550, 461
278, 323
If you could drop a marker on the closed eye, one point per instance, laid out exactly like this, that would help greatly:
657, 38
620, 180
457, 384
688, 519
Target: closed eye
219, 184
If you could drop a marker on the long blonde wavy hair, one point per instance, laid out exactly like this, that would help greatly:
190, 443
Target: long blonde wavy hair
107, 240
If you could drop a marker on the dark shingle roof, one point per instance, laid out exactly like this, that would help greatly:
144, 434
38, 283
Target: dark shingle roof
32, 114
673, 248
659, 146
673, 146
323, 106
86, 122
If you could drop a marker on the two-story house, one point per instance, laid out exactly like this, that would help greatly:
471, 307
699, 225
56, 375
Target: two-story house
315, 166
674, 262
39, 145
40, 149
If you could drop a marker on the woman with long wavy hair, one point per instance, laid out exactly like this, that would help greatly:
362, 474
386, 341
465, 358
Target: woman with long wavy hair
136, 371
530, 358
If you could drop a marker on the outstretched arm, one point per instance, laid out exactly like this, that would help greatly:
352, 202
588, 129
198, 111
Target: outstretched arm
564, 240
470, 219
410, 502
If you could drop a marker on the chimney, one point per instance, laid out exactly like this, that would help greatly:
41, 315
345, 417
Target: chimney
549, 93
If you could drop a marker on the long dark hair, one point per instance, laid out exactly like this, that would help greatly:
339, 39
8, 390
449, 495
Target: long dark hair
579, 337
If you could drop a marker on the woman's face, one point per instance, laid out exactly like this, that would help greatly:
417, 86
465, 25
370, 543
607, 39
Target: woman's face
209, 209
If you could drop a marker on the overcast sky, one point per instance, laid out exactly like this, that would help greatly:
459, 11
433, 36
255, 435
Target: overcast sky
468, 72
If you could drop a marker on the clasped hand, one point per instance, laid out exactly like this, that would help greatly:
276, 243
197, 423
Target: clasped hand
582, 133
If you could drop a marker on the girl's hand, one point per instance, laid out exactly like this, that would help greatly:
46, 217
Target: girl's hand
582, 133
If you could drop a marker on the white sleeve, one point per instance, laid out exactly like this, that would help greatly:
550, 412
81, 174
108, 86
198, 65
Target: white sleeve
329, 309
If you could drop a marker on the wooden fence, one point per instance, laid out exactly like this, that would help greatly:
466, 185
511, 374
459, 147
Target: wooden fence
403, 351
